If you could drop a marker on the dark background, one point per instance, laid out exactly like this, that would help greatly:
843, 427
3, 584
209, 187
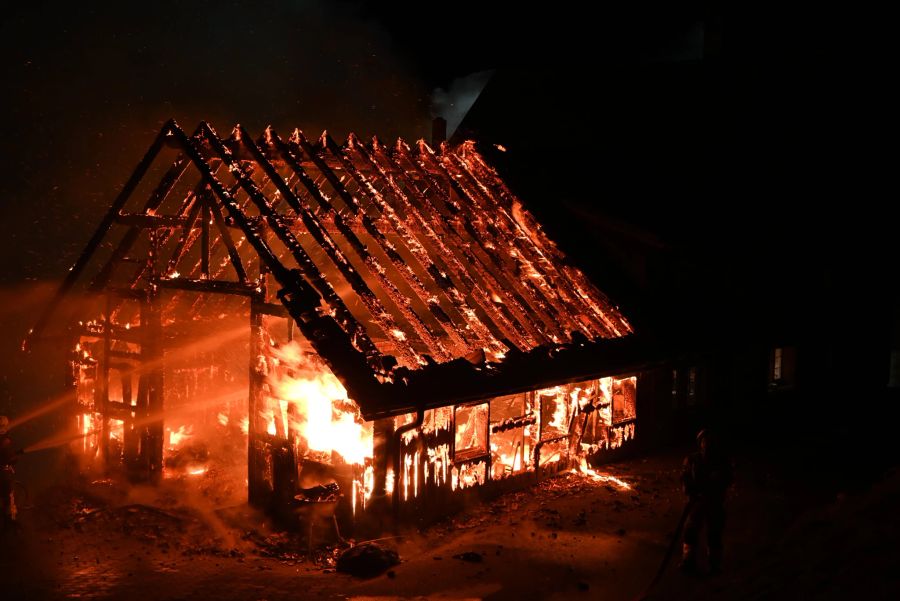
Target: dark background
720, 171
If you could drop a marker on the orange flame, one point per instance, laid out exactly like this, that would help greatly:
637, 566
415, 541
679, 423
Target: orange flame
596, 476
389, 482
179, 436
311, 403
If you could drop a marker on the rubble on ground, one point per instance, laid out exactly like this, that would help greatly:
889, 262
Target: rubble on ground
367, 560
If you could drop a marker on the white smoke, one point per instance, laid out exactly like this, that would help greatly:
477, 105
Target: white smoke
453, 104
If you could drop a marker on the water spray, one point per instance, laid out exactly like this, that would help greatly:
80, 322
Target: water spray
207, 343
63, 439
47, 407
56, 441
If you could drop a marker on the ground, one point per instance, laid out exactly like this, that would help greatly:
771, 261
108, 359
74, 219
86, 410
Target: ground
570, 537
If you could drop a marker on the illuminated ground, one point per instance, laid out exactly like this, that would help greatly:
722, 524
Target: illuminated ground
570, 538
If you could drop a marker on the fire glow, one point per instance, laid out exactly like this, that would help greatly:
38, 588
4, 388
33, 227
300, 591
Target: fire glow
310, 406
179, 436
596, 476
471, 282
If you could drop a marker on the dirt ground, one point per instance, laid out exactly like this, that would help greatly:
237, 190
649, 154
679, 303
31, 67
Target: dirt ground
567, 538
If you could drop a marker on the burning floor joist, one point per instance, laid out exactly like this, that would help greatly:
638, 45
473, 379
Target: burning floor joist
413, 337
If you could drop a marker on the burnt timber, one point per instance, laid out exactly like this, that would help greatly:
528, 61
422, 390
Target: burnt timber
416, 275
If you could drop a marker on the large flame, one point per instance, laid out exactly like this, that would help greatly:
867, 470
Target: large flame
179, 436
310, 404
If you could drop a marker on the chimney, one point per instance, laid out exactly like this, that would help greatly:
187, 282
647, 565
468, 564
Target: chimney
438, 132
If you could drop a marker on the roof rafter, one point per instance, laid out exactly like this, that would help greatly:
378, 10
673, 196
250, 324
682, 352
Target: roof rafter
437, 257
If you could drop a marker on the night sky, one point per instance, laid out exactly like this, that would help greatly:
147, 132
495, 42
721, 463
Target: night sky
86, 85
721, 170
767, 163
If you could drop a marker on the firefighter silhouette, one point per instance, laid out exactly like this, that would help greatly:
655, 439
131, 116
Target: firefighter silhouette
706, 478
7, 475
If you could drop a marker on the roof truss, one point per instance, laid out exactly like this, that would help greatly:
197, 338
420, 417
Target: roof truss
397, 263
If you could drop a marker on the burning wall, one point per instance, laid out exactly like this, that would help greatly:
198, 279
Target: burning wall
307, 432
511, 437
200, 424
412, 281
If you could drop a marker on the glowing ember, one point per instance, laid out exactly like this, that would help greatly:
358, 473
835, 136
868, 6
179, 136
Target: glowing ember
439, 459
554, 410
85, 426
368, 484
416, 474
389, 482
116, 430
468, 475
177, 437
584, 469
407, 462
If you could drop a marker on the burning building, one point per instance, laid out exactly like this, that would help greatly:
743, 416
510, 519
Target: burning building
412, 335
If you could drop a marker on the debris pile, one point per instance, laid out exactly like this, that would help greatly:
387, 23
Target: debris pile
367, 560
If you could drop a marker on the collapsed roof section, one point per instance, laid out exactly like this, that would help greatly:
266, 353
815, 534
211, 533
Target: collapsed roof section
416, 275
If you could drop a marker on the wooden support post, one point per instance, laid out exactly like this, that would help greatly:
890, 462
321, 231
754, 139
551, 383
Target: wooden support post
284, 483
130, 437
152, 354
382, 453
204, 237
225, 235
259, 488
153, 439
101, 398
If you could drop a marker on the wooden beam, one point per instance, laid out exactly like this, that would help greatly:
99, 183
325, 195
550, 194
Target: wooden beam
101, 231
222, 287
204, 236
127, 293
272, 309
182, 244
233, 253
141, 220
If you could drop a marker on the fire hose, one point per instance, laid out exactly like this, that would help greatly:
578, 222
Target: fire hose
669, 552
20, 486
17, 484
